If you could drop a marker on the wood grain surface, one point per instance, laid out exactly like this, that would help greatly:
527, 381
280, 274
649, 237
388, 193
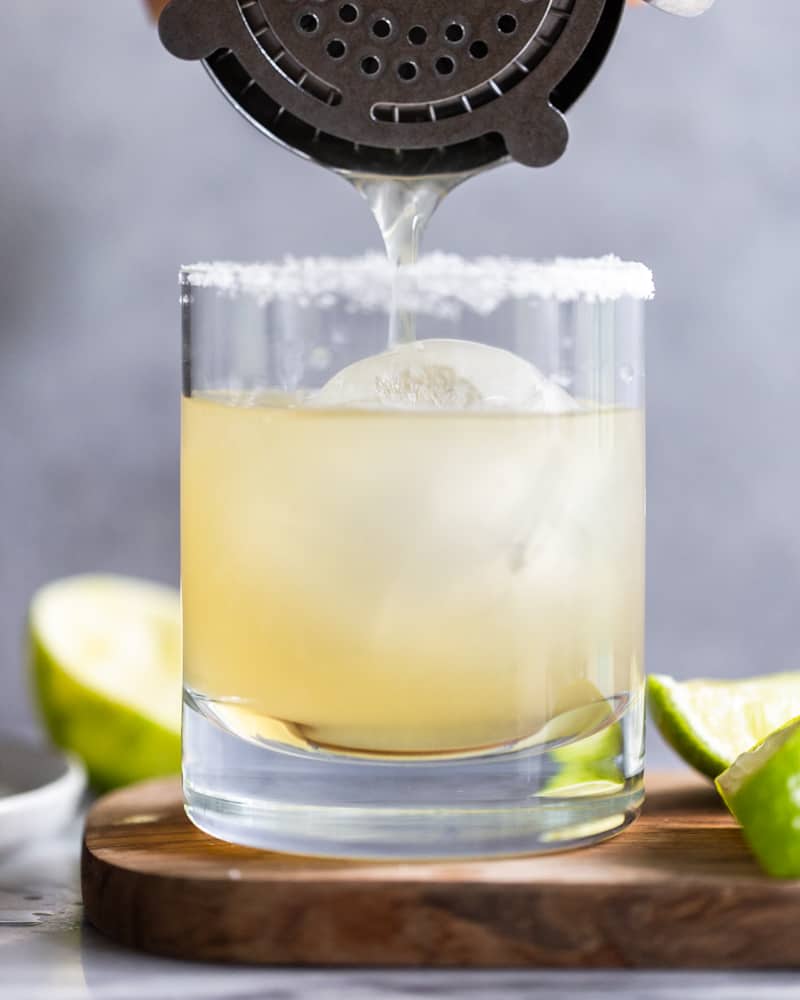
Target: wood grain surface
677, 889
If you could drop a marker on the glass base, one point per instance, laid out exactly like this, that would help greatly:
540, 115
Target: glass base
318, 803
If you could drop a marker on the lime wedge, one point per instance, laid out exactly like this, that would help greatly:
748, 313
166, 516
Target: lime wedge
105, 662
709, 723
587, 766
762, 790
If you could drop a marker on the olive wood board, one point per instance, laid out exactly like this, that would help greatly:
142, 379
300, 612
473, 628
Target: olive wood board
677, 889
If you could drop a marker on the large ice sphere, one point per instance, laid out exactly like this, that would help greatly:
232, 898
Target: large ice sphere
445, 375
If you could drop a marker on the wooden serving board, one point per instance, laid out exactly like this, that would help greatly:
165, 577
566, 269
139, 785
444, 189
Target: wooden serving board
677, 889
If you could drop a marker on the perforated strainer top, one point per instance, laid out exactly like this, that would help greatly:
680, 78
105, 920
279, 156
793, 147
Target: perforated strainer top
401, 86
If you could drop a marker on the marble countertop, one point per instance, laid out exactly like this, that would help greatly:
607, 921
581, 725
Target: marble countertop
47, 952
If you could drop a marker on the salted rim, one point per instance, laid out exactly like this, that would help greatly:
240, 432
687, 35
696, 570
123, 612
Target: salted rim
437, 282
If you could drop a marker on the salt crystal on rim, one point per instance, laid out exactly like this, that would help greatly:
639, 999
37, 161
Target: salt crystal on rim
439, 283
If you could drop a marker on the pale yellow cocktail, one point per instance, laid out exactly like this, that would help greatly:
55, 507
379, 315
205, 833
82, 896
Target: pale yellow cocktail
396, 582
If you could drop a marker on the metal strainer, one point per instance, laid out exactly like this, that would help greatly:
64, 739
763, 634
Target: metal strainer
403, 87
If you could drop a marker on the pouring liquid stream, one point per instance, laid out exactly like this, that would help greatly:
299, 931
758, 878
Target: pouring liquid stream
402, 208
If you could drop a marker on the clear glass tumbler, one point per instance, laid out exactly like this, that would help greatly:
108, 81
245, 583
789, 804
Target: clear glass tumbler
413, 554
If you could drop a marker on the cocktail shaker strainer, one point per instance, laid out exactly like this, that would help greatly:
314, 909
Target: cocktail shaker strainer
411, 88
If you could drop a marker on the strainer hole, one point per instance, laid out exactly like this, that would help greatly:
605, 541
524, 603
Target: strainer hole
454, 32
370, 65
479, 49
407, 70
382, 28
348, 13
336, 48
308, 22
417, 35
507, 24
445, 66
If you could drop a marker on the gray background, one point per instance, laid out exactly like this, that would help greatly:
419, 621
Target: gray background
117, 164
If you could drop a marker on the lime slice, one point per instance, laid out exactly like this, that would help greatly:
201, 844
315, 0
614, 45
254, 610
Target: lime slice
709, 723
587, 766
105, 660
579, 781
762, 790
603, 745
